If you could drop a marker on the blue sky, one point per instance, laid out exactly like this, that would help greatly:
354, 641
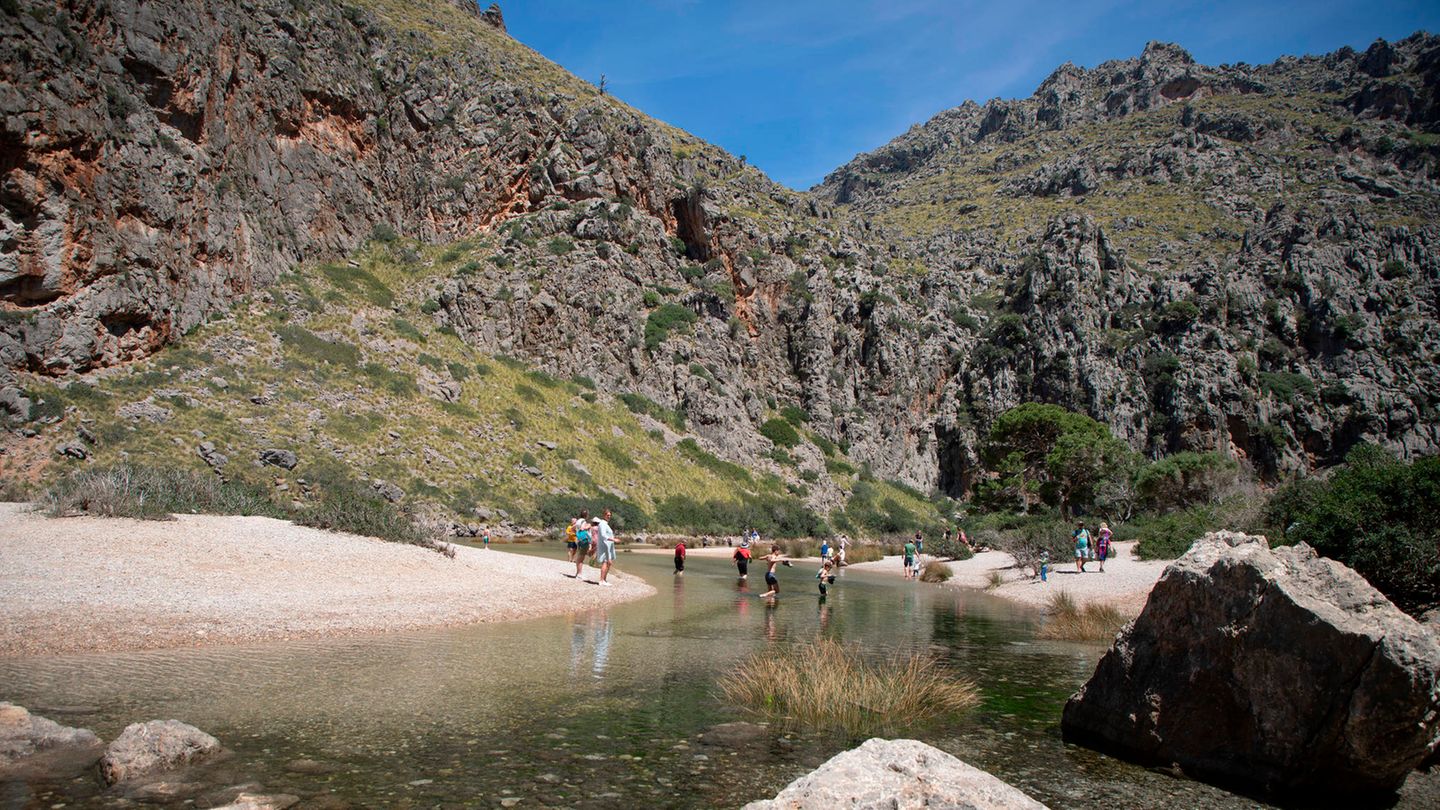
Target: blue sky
801, 86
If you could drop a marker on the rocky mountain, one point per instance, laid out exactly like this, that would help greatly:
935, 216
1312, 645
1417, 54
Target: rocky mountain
1240, 258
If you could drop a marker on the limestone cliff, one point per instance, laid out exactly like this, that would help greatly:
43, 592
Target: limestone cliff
1240, 257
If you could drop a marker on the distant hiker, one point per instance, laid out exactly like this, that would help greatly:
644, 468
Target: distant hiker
919, 544
965, 541
909, 559
571, 541
485, 539
680, 557
742, 559
774, 558
824, 550
582, 540
1044, 564
604, 539
1082, 546
844, 545
1102, 544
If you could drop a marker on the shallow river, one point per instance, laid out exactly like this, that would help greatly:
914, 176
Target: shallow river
595, 709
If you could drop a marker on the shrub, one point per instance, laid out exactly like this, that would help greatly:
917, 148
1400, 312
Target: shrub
309, 345
868, 552
152, 493
405, 329
615, 454
1374, 514
794, 415
827, 684
1070, 622
1186, 479
1283, 385
936, 571
382, 232
359, 281
559, 246
640, 404
664, 320
781, 432
555, 509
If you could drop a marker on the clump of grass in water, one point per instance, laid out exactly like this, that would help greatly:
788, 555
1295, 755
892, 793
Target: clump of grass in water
1070, 622
935, 571
827, 685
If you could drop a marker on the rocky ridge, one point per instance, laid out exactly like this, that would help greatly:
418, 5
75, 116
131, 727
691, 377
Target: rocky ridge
215, 148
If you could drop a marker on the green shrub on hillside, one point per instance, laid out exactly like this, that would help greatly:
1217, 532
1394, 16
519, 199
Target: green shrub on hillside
557, 509
152, 493
665, 319
1185, 479
640, 404
780, 432
311, 346
1374, 514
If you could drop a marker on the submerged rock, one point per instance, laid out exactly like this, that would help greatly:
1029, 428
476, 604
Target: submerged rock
897, 773
159, 745
32, 746
1273, 670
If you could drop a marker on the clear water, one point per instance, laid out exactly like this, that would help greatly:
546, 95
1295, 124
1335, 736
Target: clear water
596, 709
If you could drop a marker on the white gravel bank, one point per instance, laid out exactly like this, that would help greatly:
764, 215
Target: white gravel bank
86, 584
1126, 582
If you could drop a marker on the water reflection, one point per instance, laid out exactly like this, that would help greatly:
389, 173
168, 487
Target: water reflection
543, 711
590, 638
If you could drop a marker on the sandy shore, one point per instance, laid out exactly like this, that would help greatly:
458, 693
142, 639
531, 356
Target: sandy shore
90, 584
1125, 584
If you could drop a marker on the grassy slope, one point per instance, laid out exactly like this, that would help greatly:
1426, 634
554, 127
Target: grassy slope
349, 366
968, 192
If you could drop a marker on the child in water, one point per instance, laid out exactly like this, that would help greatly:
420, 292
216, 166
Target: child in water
680, 558
773, 559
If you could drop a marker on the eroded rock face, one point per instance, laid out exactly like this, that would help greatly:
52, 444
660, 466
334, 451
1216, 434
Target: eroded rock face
35, 746
896, 773
1277, 671
159, 745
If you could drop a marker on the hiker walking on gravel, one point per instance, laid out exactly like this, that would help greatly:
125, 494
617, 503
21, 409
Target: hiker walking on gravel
1102, 544
1082, 546
742, 559
604, 539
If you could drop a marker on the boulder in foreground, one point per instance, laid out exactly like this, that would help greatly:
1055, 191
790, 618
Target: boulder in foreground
896, 774
159, 745
31, 745
1269, 670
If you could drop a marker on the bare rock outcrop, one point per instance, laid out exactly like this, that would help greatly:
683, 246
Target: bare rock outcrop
1272, 670
31, 745
159, 745
897, 773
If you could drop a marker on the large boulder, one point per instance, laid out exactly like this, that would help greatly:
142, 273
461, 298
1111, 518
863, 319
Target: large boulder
896, 773
32, 746
1270, 670
159, 745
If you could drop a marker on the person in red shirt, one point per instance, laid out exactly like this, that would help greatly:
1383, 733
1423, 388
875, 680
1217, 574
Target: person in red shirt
742, 559
680, 557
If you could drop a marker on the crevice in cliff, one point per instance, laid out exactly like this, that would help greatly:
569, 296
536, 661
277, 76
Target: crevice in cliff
690, 225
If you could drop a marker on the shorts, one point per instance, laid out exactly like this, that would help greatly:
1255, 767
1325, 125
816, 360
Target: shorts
605, 551
744, 566
909, 562
770, 579
571, 545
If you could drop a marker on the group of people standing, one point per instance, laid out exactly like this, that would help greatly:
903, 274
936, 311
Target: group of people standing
587, 537
1088, 547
